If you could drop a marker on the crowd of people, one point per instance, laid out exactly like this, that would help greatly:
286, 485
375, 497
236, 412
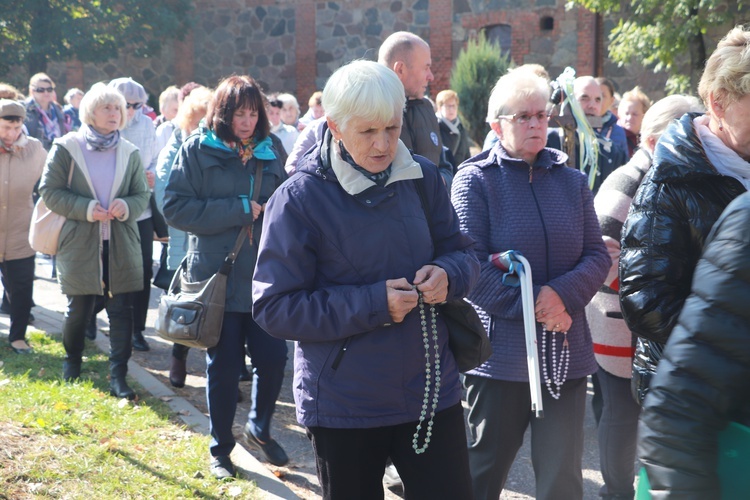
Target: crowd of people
361, 217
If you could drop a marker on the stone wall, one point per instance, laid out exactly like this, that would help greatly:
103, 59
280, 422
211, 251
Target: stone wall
294, 45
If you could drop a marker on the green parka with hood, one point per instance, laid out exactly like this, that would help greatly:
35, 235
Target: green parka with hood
79, 263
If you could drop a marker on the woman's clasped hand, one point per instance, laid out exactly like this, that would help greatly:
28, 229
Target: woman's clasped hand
550, 311
430, 281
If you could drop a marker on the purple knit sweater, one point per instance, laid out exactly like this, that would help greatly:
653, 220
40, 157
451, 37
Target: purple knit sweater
546, 212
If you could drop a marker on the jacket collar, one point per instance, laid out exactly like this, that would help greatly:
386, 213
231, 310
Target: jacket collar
353, 182
679, 155
546, 159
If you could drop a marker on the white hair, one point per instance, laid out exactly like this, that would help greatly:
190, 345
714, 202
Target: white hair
101, 95
512, 87
366, 90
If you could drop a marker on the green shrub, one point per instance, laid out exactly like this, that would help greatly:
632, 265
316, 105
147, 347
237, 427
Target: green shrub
475, 73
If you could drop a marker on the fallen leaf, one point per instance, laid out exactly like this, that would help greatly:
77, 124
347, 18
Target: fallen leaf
40, 373
278, 473
61, 406
4, 382
234, 491
166, 399
122, 403
184, 412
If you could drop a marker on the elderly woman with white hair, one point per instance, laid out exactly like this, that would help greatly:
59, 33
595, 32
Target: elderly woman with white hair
520, 196
99, 252
140, 131
351, 267
613, 340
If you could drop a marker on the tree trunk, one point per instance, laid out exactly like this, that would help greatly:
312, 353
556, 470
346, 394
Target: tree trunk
697, 50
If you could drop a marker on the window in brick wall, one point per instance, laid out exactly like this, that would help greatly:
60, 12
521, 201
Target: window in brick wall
500, 35
547, 23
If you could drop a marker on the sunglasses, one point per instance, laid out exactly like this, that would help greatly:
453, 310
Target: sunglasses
134, 105
42, 90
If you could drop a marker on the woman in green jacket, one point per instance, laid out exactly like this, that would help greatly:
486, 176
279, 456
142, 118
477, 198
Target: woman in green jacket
99, 251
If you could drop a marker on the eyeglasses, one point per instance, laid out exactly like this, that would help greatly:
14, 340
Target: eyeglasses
134, 105
42, 90
524, 118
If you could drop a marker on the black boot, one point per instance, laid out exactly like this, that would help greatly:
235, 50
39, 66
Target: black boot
178, 372
139, 343
118, 387
71, 371
119, 354
91, 328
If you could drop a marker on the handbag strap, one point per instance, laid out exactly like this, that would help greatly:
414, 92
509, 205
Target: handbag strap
246, 230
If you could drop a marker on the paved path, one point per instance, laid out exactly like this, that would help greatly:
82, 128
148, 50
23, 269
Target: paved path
298, 479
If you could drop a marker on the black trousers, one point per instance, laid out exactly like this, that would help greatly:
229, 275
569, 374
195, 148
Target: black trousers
120, 312
351, 462
18, 280
141, 298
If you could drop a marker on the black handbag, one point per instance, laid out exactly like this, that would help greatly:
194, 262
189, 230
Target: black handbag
467, 337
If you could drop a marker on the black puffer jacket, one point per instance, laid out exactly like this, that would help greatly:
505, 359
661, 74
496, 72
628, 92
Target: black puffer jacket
703, 382
662, 239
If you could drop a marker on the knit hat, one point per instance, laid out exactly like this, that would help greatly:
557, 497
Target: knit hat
10, 108
132, 90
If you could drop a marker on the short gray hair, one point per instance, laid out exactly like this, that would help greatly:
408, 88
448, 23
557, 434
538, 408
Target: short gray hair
132, 90
516, 85
100, 95
70, 94
727, 73
365, 90
662, 112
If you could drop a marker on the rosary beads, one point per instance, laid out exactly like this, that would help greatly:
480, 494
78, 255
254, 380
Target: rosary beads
559, 370
428, 376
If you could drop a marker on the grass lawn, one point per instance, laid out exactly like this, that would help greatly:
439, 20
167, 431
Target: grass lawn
75, 441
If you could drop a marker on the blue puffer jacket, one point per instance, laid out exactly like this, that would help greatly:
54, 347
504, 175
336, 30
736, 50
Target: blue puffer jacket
546, 212
324, 258
202, 197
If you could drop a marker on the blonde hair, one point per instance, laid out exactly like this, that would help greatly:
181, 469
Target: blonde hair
727, 73
636, 95
171, 93
195, 106
661, 114
445, 96
100, 95
512, 87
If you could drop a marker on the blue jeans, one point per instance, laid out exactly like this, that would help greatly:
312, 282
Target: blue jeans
268, 355
618, 429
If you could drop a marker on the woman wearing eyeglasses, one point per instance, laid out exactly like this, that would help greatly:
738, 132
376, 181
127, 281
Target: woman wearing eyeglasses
45, 119
140, 131
520, 196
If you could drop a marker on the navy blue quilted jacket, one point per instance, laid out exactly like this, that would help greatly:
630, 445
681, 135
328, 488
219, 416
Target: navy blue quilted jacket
546, 212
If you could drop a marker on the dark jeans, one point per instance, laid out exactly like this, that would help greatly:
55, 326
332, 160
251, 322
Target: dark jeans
499, 414
224, 361
120, 313
351, 462
18, 280
617, 436
141, 298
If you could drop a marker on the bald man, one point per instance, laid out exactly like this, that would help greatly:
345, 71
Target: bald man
410, 58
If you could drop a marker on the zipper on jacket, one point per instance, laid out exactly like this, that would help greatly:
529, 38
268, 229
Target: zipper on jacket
531, 174
544, 226
340, 355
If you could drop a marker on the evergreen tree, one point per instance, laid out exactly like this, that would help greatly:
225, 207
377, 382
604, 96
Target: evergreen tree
475, 72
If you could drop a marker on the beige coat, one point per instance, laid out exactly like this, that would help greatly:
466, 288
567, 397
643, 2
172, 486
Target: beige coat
20, 170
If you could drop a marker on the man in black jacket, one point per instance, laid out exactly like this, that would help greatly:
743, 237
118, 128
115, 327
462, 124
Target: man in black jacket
410, 58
